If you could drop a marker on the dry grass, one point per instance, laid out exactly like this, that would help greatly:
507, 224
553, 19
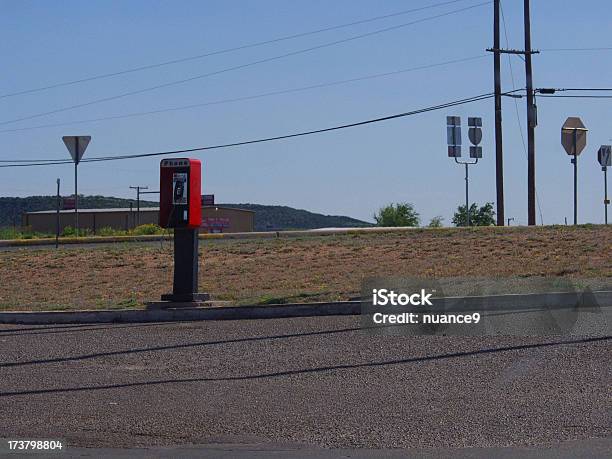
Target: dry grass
304, 269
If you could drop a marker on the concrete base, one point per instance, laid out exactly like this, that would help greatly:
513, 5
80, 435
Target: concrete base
156, 305
185, 298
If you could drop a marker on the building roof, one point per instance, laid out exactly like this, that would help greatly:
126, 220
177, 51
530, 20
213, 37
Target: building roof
124, 209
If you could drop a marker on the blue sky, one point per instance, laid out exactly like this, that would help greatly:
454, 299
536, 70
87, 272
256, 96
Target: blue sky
351, 172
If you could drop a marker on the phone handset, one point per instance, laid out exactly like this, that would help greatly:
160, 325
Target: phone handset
179, 190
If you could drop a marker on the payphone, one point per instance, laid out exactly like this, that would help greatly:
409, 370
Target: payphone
180, 208
179, 193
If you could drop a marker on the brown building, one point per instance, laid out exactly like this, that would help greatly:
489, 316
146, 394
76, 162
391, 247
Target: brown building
215, 219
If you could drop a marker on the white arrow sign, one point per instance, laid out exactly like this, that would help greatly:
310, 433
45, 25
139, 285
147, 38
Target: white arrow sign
604, 155
76, 145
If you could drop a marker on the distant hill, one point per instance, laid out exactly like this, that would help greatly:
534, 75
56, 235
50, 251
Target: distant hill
267, 218
273, 218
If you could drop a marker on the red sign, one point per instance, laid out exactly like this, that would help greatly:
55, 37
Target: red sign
215, 224
68, 203
208, 199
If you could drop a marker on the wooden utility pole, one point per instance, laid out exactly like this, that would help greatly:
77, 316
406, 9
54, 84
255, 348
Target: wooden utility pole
138, 193
499, 156
531, 121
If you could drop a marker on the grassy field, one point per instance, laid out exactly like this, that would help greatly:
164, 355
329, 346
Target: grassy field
297, 269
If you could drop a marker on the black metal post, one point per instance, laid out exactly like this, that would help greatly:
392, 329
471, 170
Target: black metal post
606, 200
575, 161
499, 157
76, 203
185, 287
467, 195
467, 191
57, 215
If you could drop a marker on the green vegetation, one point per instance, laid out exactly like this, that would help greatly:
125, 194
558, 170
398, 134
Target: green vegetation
436, 222
400, 214
149, 228
479, 216
26, 233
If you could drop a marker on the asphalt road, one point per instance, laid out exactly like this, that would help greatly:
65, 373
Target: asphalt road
311, 383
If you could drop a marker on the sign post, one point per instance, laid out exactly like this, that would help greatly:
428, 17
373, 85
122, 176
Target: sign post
604, 156
573, 139
453, 134
76, 145
57, 215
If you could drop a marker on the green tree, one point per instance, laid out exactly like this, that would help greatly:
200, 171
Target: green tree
400, 214
479, 216
436, 222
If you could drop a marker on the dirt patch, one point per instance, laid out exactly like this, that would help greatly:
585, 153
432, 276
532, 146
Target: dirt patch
297, 269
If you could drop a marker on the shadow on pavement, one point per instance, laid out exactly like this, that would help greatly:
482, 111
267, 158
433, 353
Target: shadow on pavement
302, 371
173, 347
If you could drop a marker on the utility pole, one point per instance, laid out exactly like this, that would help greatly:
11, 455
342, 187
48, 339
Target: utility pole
531, 121
138, 188
499, 157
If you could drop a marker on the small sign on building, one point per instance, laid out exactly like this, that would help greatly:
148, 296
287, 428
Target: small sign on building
208, 199
215, 224
68, 203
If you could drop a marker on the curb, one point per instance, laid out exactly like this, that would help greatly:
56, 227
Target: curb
510, 302
273, 311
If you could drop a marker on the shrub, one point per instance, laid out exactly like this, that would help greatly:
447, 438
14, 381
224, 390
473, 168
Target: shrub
68, 231
479, 216
436, 222
149, 228
108, 231
400, 214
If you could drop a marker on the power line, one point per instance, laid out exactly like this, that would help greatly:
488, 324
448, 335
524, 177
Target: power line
241, 66
605, 48
583, 89
46, 163
269, 139
227, 50
575, 96
255, 96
